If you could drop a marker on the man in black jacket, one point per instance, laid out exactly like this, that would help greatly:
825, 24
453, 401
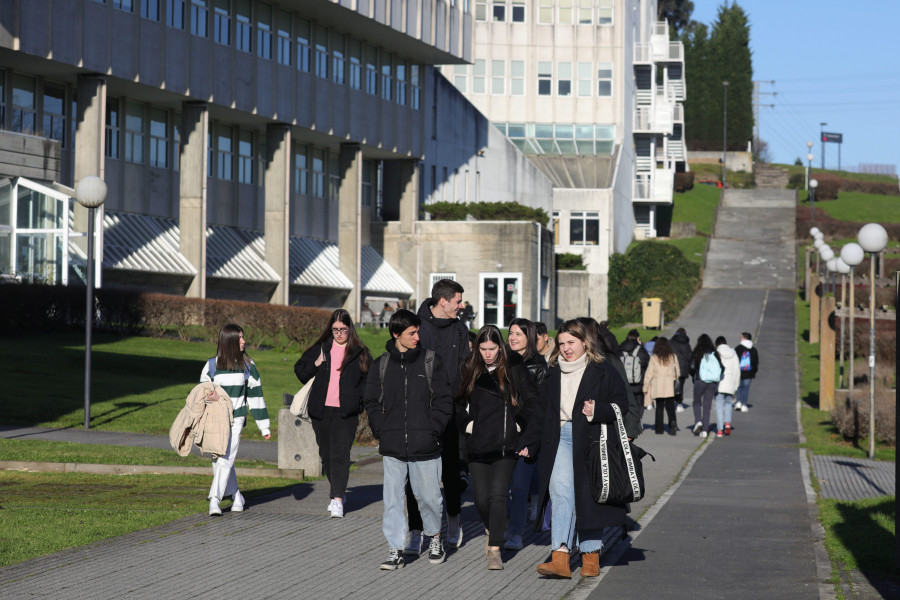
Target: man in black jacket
748, 360
448, 337
681, 344
631, 350
408, 412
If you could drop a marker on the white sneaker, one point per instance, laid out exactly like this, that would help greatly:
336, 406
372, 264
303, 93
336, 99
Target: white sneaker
415, 543
738, 406
214, 510
697, 427
513, 542
337, 509
745, 409
703, 434
679, 409
237, 502
454, 531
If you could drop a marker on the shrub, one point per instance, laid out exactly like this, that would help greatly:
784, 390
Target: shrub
650, 269
448, 211
566, 261
870, 187
684, 182
851, 416
797, 181
507, 211
829, 186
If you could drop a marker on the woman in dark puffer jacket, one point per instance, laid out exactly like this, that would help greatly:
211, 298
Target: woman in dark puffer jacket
498, 399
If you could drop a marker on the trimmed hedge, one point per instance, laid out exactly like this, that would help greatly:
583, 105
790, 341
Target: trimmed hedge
567, 261
684, 182
486, 211
650, 270
40, 308
829, 186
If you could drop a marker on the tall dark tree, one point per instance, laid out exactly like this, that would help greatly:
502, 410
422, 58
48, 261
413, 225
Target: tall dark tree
677, 12
711, 58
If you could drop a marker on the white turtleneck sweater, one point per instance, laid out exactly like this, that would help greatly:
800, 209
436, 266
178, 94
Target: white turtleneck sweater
570, 379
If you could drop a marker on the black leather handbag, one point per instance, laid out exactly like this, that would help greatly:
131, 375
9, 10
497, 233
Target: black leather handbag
614, 465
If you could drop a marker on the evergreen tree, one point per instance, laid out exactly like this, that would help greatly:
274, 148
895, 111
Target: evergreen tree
697, 106
677, 13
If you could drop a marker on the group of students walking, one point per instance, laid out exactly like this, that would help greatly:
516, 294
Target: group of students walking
517, 415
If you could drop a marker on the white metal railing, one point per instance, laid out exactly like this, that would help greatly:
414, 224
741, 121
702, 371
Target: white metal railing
644, 96
661, 28
678, 113
676, 52
676, 89
654, 186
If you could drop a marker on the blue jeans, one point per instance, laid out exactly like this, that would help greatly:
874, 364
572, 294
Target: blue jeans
724, 405
562, 497
425, 479
743, 392
518, 492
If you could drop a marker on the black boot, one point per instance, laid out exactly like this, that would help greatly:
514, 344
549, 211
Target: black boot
673, 428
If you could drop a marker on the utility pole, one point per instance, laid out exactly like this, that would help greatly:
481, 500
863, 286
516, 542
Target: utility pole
822, 138
756, 106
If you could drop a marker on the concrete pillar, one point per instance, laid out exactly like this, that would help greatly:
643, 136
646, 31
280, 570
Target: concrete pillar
826, 355
297, 446
350, 224
408, 179
277, 210
806, 273
192, 202
90, 143
814, 301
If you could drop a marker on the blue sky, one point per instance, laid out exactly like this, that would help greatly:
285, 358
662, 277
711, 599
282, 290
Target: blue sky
833, 62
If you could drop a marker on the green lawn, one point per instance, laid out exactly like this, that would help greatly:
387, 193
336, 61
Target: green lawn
697, 205
842, 174
859, 207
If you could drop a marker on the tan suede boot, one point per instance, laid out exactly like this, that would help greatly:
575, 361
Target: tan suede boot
487, 535
590, 564
558, 565
494, 561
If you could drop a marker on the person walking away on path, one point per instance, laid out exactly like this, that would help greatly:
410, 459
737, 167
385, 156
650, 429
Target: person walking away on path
659, 383
731, 379
340, 363
446, 335
635, 360
681, 343
544, 342
522, 340
236, 372
748, 359
408, 411
575, 398
706, 371
495, 399
467, 315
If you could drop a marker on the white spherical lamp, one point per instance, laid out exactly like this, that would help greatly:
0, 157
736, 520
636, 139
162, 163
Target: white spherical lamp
813, 231
819, 243
90, 191
831, 264
826, 253
873, 237
842, 267
852, 254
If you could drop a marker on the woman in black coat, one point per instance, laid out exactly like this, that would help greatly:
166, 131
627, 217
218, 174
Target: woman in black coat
576, 398
340, 363
497, 397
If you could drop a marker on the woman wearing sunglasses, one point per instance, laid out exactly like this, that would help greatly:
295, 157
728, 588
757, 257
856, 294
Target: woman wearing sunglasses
340, 363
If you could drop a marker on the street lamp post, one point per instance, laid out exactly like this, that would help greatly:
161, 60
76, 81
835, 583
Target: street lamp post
813, 184
818, 246
873, 238
809, 158
843, 268
852, 254
822, 138
724, 130
90, 193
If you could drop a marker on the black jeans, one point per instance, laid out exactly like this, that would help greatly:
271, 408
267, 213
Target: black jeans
335, 436
449, 476
490, 483
669, 404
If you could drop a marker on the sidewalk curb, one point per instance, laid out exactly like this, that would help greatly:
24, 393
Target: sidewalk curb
100, 469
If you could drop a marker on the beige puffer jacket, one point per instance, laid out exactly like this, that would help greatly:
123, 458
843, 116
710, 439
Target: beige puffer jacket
205, 420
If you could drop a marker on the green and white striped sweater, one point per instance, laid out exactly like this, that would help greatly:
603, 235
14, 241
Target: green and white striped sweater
233, 384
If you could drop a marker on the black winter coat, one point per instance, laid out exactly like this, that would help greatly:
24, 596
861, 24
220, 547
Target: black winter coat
351, 386
410, 419
602, 384
681, 344
493, 416
627, 347
448, 337
754, 360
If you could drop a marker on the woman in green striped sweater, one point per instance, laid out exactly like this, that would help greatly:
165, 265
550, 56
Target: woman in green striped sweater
236, 373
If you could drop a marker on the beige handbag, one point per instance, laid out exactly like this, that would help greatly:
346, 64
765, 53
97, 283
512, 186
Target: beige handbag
300, 403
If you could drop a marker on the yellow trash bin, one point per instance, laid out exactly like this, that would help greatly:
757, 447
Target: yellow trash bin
652, 313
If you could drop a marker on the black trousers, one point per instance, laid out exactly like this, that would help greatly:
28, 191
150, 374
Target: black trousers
490, 483
669, 405
335, 436
449, 477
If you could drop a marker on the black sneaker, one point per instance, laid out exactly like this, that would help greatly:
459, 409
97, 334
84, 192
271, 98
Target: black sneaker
394, 561
436, 554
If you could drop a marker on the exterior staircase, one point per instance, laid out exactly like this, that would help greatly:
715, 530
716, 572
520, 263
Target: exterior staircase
770, 177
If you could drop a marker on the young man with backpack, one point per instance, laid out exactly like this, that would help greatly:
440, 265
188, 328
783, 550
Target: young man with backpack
748, 358
681, 344
409, 405
635, 360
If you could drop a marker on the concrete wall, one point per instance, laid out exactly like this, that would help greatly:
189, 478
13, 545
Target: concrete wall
736, 161
29, 156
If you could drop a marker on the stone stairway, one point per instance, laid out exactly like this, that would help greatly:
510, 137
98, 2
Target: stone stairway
770, 177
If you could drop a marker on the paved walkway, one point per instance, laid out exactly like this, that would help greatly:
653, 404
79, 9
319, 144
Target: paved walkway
724, 517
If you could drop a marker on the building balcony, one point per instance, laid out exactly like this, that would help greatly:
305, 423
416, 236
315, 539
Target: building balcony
654, 119
654, 187
658, 50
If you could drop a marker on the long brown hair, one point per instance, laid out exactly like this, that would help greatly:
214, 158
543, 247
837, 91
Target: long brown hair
578, 330
663, 351
353, 341
474, 365
228, 352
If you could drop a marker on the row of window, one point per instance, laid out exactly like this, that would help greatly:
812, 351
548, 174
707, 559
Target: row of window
582, 79
549, 12
291, 41
33, 106
584, 228
560, 138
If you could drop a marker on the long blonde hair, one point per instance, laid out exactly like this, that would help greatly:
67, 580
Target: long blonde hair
577, 330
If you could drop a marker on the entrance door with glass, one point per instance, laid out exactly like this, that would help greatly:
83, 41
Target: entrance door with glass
499, 302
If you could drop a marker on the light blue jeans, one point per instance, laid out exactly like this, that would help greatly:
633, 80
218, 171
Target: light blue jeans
425, 479
743, 392
562, 498
518, 496
724, 406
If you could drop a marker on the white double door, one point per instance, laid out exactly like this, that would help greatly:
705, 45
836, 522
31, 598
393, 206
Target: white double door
499, 298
